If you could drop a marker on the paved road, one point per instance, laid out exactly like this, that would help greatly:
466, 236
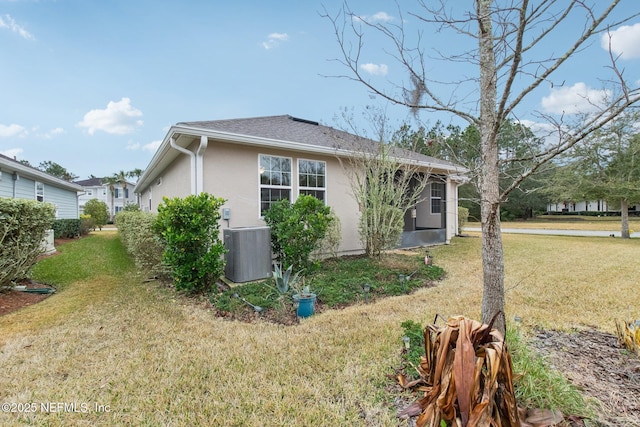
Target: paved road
583, 233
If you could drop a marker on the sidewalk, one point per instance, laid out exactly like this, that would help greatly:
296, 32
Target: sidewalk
582, 233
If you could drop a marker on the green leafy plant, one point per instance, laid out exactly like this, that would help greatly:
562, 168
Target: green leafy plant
297, 229
99, 212
66, 228
23, 225
145, 247
193, 252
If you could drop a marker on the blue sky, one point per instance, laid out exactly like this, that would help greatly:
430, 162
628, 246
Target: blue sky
94, 85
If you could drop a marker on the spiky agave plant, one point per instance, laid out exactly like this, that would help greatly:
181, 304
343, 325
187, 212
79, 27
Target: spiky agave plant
285, 280
467, 378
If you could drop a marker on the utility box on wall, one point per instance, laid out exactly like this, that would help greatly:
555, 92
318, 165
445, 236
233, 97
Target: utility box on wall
249, 253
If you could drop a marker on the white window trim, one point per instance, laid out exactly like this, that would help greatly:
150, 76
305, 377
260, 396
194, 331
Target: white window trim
431, 198
280, 187
36, 190
300, 187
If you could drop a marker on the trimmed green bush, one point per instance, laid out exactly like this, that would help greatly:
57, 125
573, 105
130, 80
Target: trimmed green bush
297, 230
193, 251
66, 228
86, 224
98, 211
23, 226
138, 237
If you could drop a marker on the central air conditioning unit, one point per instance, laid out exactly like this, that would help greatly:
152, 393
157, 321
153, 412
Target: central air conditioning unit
249, 253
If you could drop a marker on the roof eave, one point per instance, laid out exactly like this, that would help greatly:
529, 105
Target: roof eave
39, 175
150, 174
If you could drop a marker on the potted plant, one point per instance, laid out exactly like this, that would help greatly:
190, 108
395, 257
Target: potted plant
303, 299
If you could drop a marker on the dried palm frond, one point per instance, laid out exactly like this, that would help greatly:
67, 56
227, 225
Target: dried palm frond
629, 335
467, 377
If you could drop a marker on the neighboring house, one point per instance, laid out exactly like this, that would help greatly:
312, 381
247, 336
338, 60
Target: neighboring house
585, 206
253, 162
19, 181
95, 189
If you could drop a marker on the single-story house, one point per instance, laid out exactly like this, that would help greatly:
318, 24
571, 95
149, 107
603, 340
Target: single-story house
19, 181
253, 162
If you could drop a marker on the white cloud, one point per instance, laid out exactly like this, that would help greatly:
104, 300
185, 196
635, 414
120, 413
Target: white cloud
578, 98
539, 128
152, 146
132, 146
375, 69
375, 18
9, 23
52, 133
12, 130
625, 41
12, 152
118, 118
274, 39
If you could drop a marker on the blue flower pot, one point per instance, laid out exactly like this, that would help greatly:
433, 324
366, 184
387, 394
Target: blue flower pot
305, 304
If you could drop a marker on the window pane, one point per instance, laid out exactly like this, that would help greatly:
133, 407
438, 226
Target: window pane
318, 194
286, 178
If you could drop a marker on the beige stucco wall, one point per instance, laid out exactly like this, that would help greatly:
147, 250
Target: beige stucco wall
175, 181
232, 172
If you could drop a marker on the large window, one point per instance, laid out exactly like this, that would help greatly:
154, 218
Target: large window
437, 191
275, 180
312, 178
39, 191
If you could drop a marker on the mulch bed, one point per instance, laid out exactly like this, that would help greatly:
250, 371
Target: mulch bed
593, 361
14, 300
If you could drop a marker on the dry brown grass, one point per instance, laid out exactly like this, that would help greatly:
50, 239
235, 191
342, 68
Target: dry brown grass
571, 223
155, 360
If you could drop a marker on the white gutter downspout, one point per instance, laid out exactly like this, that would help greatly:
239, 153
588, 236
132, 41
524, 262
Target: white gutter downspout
193, 163
204, 141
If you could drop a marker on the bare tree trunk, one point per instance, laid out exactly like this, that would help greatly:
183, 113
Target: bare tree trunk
624, 213
492, 254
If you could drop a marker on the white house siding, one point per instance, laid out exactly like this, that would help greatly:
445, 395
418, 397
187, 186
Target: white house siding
103, 194
6, 184
25, 188
66, 202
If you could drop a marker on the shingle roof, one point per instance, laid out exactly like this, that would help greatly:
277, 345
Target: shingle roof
91, 182
293, 129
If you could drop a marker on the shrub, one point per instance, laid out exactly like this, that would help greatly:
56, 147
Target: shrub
138, 237
23, 225
98, 211
297, 229
463, 218
330, 243
193, 251
67, 228
87, 223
